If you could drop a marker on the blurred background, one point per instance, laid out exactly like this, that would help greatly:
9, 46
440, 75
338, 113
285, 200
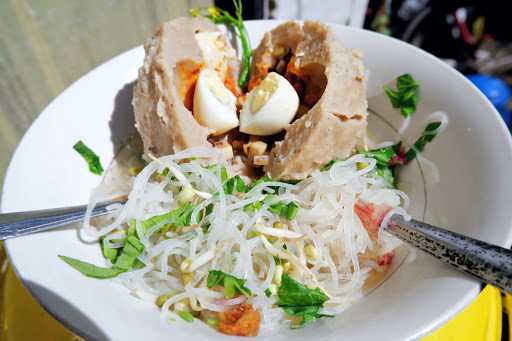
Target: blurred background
45, 45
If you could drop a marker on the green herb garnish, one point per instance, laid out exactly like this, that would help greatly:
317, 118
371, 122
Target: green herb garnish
390, 158
235, 184
288, 211
90, 157
328, 165
258, 182
405, 97
220, 171
176, 218
429, 133
384, 157
292, 209
91, 270
231, 284
252, 208
387, 174
186, 316
108, 252
123, 259
297, 300
220, 16
278, 208
131, 250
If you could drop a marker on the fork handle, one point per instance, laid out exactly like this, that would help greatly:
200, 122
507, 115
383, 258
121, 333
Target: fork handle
22, 223
488, 263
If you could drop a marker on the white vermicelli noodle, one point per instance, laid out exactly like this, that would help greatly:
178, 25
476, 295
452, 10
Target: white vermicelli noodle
322, 245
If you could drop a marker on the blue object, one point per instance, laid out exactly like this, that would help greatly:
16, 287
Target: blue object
496, 90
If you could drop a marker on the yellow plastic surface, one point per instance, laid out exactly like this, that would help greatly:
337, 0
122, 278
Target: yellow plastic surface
480, 321
507, 306
22, 318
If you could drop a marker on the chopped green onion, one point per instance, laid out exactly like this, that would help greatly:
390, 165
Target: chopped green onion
131, 228
429, 133
229, 287
138, 264
90, 157
278, 208
405, 97
230, 283
387, 174
239, 184
131, 250
270, 199
257, 182
384, 156
108, 252
234, 184
254, 207
176, 218
291, 210
186, 316
328, 165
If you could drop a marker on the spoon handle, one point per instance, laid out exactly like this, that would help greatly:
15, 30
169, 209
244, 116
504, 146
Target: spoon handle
486, 262
22, 223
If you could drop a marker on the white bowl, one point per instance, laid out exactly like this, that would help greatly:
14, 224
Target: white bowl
474, 158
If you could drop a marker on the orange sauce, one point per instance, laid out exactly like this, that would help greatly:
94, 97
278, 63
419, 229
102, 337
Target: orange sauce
187, 72
230, 82
262, 73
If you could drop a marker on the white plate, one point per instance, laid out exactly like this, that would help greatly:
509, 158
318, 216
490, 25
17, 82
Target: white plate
474, 157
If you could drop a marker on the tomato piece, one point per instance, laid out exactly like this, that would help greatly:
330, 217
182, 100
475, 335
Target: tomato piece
385, 259
242, 320
371, 216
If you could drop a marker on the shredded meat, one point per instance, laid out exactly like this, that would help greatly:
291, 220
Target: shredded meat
242, 320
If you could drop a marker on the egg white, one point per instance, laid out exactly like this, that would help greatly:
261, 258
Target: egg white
214, 104
275, 114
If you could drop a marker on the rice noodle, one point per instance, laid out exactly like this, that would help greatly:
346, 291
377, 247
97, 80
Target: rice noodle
244, 243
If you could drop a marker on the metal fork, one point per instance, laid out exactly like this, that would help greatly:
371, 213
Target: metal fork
486, 262
19, 224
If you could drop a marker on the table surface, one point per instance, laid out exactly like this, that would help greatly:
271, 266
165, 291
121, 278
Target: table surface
46, 45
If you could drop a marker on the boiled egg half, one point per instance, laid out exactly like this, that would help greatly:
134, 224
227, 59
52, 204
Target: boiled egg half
270, 107
214, 104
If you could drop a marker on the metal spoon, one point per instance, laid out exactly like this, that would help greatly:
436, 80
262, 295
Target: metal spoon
486, 262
